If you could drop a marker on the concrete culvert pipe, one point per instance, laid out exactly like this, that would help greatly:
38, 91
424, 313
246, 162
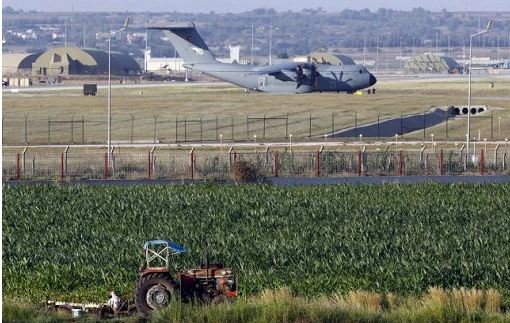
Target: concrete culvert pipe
456, 111
473, 110
465, 110
480, 110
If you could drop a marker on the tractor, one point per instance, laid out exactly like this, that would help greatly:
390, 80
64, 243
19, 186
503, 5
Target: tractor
158, 288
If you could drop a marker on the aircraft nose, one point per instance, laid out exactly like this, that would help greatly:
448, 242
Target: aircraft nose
373, 80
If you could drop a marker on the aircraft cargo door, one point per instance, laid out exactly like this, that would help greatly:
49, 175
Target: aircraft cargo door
261, 82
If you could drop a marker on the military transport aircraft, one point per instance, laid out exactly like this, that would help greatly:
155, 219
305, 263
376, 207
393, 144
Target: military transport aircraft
288, 77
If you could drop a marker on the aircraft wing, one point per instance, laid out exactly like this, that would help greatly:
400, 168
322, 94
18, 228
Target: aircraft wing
277, 68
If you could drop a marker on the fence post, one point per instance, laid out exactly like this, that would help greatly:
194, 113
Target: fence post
401, 162
310, 128
318, 163
18, 171
217, 128
49, 131
150, 165
155, 127
232, 127
482, 162
192, 163
492, 124
247, 128
201, 129
176, 130
132, 127
424, 125
359, 163
446, 113
378, 129
72, 129
401, 126
333, 124
276, 164
287, 126
106, 166
264, 128
82, 129
185, 129
441, 163
61, 167
26, 129
355, 125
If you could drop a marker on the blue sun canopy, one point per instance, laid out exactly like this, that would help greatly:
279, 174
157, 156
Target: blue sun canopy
175, 247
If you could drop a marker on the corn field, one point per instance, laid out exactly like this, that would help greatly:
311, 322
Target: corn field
80, 242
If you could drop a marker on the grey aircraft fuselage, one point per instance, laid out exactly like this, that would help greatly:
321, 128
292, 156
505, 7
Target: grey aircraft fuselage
288, 77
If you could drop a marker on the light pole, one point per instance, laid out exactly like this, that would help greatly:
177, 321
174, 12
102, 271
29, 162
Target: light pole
271, 41
252, 43
65, 31
489, 25
110, 88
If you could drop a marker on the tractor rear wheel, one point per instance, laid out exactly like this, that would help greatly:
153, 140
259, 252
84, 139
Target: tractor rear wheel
153, 292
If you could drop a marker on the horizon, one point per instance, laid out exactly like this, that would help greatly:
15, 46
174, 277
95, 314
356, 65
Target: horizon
206, 7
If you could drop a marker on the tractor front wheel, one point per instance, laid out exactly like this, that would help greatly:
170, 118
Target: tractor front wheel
153, 292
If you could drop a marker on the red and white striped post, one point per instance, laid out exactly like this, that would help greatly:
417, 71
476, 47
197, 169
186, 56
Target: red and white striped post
192, 164
18, 167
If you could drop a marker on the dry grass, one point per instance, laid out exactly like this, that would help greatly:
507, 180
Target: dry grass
437, 305
161, 106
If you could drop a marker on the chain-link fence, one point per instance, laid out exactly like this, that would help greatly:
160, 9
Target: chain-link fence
142, 128
164, 164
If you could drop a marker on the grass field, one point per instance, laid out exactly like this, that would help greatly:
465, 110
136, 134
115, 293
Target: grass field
78, 243
141, 114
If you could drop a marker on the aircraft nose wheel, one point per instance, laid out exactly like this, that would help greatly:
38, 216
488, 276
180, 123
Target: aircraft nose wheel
157, 297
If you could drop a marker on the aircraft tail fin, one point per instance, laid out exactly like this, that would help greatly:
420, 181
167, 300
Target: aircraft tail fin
188, 43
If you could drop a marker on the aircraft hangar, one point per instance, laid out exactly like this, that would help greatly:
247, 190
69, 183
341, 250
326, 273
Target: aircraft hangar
75, 60
68, 61
432, 63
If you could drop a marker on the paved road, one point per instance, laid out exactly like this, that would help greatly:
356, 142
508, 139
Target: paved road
226, 146
381, 77
391, 127
60, 87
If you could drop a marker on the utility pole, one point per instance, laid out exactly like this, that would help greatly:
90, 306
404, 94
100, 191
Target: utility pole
146, 46
252, 43
270, 40
364, 49
377, 53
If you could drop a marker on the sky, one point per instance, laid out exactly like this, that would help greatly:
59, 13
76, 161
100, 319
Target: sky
246, 5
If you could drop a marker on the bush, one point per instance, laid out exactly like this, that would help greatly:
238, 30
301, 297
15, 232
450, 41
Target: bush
245, 172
